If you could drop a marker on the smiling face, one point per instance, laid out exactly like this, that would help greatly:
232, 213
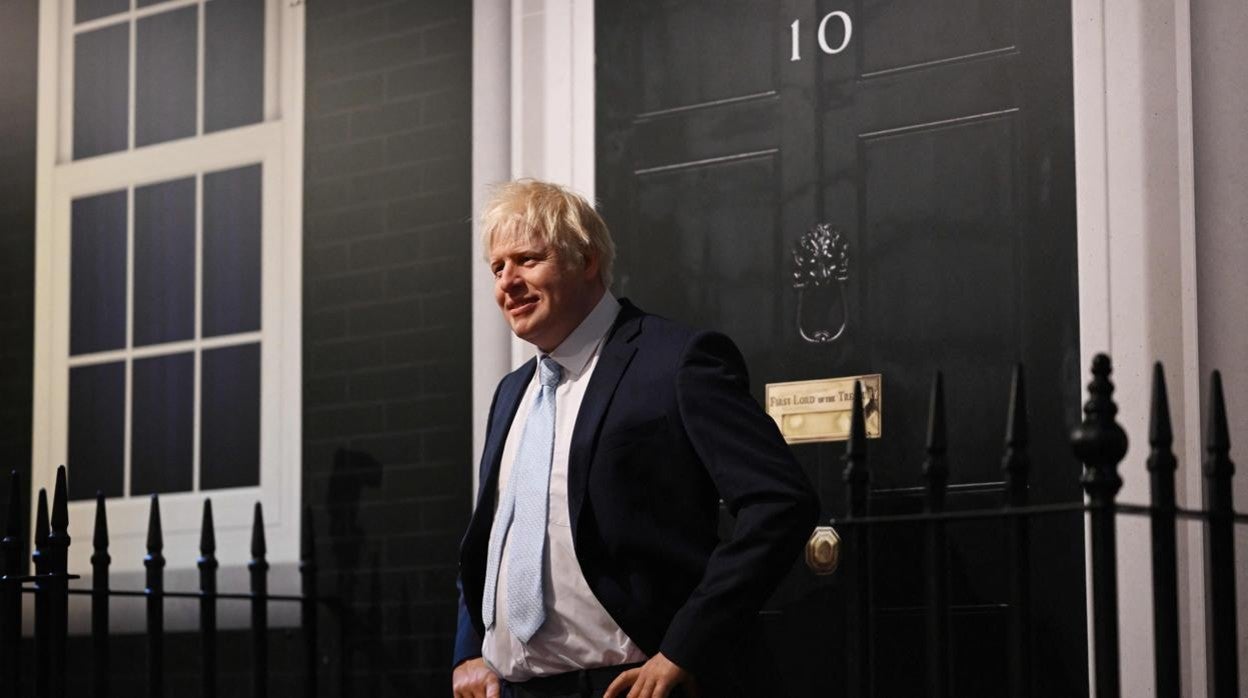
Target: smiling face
542, 298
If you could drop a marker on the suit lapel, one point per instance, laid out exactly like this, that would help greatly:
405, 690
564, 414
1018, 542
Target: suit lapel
616, 353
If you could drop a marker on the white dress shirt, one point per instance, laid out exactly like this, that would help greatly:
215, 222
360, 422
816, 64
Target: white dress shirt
578, 632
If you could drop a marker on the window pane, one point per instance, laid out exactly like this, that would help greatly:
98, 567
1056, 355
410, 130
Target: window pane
160, 440
231, 300
233, 63
85, 10
146, 3
101, 90
96, 430
164, 262
230, 418
97, 267
165, 77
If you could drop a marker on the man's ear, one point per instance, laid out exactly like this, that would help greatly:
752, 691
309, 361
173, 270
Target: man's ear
591, 265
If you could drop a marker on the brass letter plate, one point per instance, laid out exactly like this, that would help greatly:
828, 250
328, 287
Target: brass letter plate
819, 410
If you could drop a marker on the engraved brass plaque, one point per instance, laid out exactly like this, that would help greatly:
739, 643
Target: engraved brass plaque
819, 410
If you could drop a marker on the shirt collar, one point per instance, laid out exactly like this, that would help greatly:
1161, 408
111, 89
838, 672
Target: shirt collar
574, 352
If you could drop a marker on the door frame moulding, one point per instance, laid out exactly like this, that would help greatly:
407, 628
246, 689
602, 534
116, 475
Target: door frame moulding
532, 116
1137, 280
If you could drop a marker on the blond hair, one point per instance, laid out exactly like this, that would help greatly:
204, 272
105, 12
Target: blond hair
534, 211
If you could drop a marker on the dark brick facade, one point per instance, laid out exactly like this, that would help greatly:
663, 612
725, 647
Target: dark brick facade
18, 76
387, 327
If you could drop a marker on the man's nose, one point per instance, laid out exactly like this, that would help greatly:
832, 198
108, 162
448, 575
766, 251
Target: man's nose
507, 276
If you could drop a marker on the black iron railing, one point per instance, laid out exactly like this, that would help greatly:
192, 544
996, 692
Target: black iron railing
1100, 443
50, 586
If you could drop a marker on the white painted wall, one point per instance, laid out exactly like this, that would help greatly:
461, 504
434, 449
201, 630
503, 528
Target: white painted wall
533, 116
1220, 120
1137, 270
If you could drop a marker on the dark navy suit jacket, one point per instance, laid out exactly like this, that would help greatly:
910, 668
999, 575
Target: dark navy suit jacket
667, 428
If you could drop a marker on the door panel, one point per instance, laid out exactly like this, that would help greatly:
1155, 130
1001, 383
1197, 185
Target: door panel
940, 143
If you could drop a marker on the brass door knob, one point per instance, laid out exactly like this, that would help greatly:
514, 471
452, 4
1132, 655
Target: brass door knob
823, 550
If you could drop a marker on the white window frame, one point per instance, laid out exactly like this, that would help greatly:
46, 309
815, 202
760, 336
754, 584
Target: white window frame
276, 143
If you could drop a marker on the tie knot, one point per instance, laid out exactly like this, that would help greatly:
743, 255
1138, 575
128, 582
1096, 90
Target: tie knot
549, 372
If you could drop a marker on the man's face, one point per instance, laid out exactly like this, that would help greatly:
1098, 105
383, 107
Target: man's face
542, 298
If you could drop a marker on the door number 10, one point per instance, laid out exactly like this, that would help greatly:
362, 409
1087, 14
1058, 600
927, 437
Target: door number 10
822, 34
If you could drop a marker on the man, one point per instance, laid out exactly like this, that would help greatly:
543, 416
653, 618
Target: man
592, 565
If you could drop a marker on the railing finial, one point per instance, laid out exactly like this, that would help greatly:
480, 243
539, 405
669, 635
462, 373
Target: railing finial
41, 522
60, 507
207, 531
258, 547
155, 536
1099, 441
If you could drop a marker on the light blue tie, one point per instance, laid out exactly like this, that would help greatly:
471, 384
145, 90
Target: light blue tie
523, 509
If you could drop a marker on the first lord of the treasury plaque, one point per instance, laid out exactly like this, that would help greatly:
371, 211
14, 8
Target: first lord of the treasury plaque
819, 410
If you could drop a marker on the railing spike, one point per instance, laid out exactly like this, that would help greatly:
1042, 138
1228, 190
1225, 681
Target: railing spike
207, 532
41, 522
1160, 434
1217, 435
100, 538
43, 621
855, 474
259, 569
154, 562
60, 505
1220, 567
1161, 468
207, 564
258, 547
155, 536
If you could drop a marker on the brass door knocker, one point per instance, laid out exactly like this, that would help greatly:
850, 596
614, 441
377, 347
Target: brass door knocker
821, 260
823, 550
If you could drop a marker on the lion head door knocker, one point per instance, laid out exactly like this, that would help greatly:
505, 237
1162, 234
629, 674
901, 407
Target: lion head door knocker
821, 267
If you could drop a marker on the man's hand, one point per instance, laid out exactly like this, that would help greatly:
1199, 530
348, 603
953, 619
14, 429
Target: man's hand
473, 679
654, 679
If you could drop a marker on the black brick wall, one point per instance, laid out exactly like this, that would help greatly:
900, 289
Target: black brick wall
387, 328
387, 334
18, 75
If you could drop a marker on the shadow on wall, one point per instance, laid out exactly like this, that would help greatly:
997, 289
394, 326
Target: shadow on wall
365, 622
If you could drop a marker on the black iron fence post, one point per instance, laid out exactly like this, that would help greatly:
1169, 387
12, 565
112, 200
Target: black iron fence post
58, 584
207, 564
100, 561
1161, 467
1101, 444
1220, 544
858, 654
154, 562
307, 572
936, 473
11, 591
259, 569
42, 619
1017, 467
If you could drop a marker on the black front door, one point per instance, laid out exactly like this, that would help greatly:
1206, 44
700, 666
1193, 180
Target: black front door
937, 138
